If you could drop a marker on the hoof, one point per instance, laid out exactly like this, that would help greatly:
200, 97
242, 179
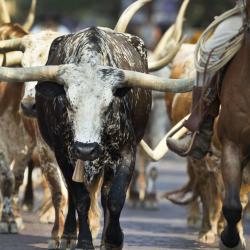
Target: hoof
207, 238
53, 244
241, 246
107, 246
4, 228
68, 244
85, 245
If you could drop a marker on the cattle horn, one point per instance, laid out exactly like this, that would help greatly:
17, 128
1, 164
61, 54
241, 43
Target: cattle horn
11, 45
11, 58
42, 73
128, 14
173, 33
5, 17
161, 149
146, 81
31, 16
170, 42
180, 20
130, 78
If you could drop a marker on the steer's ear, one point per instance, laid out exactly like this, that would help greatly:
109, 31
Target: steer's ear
121, 92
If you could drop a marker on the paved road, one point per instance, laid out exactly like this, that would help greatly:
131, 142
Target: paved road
144, 230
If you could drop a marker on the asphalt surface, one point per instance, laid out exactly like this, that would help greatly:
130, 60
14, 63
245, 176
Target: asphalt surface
144, 230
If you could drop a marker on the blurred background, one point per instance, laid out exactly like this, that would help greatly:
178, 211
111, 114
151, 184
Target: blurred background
155, 17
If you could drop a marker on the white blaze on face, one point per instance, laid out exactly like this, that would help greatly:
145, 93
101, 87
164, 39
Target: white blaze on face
90, 93
36, 53
89, 97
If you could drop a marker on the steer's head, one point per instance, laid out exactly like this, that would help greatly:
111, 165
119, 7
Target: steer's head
90, 91
35, 50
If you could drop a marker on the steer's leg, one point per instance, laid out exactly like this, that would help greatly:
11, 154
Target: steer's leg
232, 209
116, 200
107, 182
21, 162
7, 181
68, 239
205, 186
28, 200
56, 184
82, 207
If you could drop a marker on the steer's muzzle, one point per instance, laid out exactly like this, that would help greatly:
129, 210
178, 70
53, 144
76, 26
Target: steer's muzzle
28, 109
86, 151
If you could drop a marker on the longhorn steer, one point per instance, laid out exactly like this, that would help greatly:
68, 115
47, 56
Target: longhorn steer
102, 126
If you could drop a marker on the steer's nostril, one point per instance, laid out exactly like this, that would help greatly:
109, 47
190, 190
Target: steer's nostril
86, 151
28, 109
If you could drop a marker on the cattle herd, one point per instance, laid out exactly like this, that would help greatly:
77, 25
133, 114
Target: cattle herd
77, 105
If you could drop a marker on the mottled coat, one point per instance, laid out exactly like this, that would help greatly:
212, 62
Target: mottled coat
121, 125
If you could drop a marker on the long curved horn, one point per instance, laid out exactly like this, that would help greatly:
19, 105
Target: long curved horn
146, 81
174, 32
43, 73
11, 45
31, 16
5, 16
170, 41
161, 149
180, 20
11, 58
128, 14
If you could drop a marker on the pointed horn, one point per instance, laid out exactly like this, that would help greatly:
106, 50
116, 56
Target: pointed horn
146, 81
128, 14
31, 16
170, 42
44, 73
180, 20
11, 45
5, 17
11, 58
161, 149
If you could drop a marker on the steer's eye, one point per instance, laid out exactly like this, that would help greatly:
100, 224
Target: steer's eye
120, 92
